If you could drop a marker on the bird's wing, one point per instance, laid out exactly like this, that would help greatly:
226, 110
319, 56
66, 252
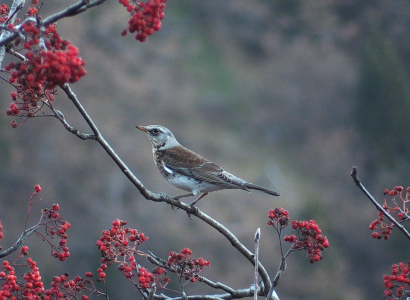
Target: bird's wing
189, 163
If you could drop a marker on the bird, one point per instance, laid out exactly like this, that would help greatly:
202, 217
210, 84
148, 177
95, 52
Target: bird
188, 170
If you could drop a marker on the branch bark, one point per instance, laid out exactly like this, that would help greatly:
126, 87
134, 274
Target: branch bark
20, 240
378, 206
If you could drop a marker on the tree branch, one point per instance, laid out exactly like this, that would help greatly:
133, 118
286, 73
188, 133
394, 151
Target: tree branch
59, 115
15, 7
378, 206
20, 240
70, 11
166, 198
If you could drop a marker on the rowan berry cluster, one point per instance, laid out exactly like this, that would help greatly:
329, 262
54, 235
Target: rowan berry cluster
54, 226
33, 9
398, 210
62, 287
186, 267
28, 286
156, 279
145, 17
278, 217
308, 237
49, 61
4, 11
57, 228
121, 241
399, 280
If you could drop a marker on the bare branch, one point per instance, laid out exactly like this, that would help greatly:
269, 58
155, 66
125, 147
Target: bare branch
255, 280
378, 206
20, 240
59, 115
100, 139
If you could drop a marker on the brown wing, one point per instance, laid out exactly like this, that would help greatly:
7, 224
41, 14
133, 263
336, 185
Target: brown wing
189, 163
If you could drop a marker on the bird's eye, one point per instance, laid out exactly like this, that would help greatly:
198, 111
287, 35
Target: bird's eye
155, 131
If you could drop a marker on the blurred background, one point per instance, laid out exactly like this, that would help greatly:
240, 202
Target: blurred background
288, 94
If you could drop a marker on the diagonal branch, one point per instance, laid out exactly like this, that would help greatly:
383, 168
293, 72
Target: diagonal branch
378, 206
166, 198
100, 139
20, 240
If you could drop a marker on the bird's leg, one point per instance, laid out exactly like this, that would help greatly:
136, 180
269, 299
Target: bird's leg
199, 198
182, 196
195, 209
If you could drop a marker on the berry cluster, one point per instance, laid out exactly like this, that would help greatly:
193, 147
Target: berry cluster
308, 238
308, 235
62, 287
399, 211
29, 284
4, 11
119, 241
57, 228
382, 228
33, 9
54, 63
186, 267
49, 61
155, 279
278, 218
145, 17
399, 279
31, 287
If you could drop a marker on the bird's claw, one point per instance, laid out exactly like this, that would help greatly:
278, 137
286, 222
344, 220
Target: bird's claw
193, 211
176, 198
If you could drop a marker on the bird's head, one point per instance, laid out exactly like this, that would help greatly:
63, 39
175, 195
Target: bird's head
160, 136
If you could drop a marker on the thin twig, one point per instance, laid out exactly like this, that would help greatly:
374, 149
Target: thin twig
378, 206
255, 279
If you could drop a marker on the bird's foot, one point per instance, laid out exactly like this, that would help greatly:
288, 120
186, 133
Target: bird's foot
176, 198
193, 211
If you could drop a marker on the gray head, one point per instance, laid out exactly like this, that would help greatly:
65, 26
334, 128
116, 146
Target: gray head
160, 136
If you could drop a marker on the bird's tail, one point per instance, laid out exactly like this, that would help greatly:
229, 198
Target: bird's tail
259, 188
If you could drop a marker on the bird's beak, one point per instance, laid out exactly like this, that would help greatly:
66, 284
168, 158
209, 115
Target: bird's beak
142, 128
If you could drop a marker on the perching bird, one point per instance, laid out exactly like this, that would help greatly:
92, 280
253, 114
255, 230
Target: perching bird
189, 171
